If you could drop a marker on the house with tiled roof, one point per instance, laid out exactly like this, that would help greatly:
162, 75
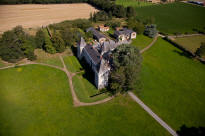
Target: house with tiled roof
125, 34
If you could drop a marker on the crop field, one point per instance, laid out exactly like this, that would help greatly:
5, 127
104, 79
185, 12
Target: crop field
36, 100
191, 43
136, 3
173, 85
175, 17
36, 15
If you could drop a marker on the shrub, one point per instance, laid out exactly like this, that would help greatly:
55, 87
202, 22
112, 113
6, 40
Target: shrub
151, 30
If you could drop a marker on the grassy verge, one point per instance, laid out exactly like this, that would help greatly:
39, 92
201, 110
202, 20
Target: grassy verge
141, 41
191, 43
72, 64
52, 59
36, 100
84, 90
173, 85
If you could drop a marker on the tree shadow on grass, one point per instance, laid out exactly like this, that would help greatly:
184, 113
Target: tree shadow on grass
191, 131
185, 54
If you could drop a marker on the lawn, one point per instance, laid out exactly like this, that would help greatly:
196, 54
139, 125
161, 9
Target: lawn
175, 17
72, 64
141, 41
36, 100
173, 85
52, 59
84, 89
136, 3
191, 43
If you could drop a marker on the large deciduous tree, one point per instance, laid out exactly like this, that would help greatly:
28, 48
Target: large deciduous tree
125, 73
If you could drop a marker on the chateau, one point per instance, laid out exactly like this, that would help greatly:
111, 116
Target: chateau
98, 55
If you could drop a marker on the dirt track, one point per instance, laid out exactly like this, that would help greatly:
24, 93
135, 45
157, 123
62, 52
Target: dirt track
36, 15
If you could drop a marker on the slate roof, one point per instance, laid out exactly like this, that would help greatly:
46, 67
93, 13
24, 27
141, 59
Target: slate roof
96, 34
124, 31
95, 56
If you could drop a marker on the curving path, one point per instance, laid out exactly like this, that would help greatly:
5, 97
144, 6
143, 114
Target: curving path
76, 101
150, 45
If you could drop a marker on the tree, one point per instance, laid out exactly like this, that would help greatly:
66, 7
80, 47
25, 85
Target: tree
131, 12
70, 36
151, 30
16, 44
126, 65
137, 26
48, 47
201, 50
40, 39
58, 42
191, 131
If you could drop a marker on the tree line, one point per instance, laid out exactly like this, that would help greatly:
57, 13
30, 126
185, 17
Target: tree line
15, 44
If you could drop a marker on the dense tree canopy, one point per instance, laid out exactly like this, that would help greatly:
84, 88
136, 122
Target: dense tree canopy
151, 30
126, 65
16, 44
135, 25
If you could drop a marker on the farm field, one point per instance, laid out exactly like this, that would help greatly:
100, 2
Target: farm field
141, 41
37, 15
173, 85
136, 3
191, 43
36, 100
167, 16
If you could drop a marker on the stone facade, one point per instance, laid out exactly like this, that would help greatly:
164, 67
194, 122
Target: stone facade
125, 34
97, 56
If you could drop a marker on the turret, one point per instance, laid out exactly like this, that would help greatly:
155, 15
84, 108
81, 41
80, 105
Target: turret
80, 47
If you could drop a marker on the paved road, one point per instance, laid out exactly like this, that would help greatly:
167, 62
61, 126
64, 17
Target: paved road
151, 113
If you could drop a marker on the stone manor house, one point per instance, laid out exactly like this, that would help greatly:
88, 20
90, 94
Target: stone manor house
98, 54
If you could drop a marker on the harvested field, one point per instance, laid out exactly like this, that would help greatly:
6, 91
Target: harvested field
37, 15
191, 43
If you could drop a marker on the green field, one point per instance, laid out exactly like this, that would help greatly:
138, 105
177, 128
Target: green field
136, 3
141, 41
72, 64
36, 101
175, 17
191, 43
173, 85
84, 89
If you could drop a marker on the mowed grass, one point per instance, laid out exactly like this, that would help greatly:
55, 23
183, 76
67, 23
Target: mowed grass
191, 43
72, 64
52, 59
141, 41
85, 89
175, 17
136, 3
36, 100
173, 85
